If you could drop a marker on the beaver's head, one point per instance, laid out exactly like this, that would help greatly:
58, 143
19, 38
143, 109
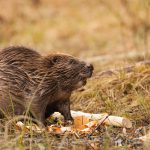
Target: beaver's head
70, 72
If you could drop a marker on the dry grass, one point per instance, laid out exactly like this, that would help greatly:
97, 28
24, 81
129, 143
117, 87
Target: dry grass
123, 94
108, 34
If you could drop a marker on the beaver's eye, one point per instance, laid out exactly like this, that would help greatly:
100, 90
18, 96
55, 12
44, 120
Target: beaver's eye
72, 61
55, 60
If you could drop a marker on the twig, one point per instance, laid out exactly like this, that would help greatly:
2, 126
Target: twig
85, 141
90, 134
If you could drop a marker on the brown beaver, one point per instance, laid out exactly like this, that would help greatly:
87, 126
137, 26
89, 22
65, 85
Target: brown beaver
40, 84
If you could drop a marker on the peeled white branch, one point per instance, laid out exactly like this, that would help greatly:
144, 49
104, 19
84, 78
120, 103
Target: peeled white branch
118, 121
111, 120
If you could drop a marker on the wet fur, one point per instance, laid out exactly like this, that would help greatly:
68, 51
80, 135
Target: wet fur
44, 83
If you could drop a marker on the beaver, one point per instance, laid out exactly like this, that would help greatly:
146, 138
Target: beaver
40, 84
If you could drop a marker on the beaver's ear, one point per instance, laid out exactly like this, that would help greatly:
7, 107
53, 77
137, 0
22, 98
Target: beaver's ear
51, 60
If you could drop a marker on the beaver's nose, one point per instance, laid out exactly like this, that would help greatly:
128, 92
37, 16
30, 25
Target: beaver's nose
90, 66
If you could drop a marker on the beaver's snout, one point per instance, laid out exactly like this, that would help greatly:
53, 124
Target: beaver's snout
89, 70
90, 67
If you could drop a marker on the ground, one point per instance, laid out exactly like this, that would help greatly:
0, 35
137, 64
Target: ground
110, 35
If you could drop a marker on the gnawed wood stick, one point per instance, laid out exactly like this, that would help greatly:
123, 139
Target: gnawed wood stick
118, 121
111, 120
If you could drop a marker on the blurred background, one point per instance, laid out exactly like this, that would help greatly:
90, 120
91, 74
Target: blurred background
95, 30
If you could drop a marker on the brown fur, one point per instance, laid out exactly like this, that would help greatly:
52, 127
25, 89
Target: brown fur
44, 83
